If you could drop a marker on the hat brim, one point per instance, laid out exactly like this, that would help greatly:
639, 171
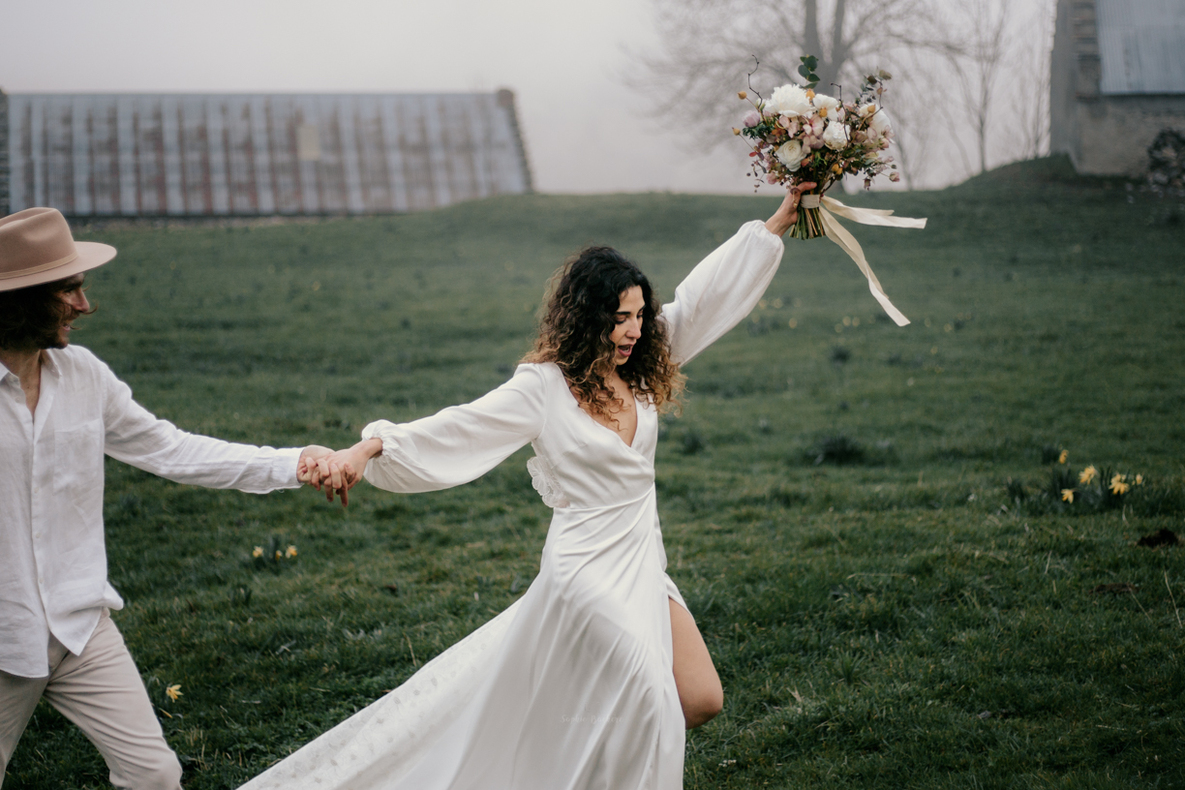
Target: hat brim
91, 254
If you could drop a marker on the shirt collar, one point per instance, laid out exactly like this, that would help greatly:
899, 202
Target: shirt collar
48, 364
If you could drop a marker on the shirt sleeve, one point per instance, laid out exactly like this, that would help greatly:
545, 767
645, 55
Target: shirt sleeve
721, 290
137, 437
460, 443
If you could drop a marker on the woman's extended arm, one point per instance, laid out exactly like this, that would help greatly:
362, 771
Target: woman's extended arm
453, 446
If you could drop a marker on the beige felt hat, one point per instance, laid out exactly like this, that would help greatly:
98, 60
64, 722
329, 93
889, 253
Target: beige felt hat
36, 247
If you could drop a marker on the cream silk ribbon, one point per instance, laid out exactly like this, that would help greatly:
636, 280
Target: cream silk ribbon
829, 207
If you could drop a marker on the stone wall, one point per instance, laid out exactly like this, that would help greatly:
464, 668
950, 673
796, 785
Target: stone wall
1103, 134
1114, 132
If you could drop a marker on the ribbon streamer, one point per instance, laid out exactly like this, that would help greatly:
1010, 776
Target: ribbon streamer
829, 207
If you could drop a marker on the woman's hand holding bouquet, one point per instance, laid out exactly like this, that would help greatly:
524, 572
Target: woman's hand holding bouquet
800, 138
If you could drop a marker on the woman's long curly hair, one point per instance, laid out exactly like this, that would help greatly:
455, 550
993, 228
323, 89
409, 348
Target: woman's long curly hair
577, 320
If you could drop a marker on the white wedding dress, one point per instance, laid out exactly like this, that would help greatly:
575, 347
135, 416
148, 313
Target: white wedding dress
571, 687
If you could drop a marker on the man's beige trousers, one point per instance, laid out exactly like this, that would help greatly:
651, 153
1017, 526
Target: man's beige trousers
100, 691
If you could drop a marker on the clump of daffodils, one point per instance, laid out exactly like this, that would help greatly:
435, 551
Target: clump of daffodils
1091, 486
274, 553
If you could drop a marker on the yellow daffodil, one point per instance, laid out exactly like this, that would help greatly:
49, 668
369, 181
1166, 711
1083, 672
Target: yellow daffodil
1061, 459
1068, 495
257, 551
1118, 486
1088, 474
173, 692
279, 554
1139, 480
291, 552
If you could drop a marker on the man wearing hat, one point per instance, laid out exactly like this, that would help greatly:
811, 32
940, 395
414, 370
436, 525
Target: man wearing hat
61, 410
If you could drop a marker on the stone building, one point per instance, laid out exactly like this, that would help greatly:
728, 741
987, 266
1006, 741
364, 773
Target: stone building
241, 154
1117, 81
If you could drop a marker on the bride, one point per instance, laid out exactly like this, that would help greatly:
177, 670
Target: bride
589, 679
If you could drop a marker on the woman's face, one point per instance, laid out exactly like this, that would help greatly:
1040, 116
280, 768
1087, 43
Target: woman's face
628, 318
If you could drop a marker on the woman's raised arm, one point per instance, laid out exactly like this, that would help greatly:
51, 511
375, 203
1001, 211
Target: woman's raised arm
726, 285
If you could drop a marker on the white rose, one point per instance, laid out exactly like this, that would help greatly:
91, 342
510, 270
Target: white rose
879, 123
791, 154
823, 102
790, 100
836, 136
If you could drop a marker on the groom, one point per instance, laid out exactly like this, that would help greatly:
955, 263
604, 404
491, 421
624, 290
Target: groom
61, 410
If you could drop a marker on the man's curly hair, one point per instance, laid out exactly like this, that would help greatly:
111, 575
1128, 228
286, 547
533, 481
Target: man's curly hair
30, 316
577, 320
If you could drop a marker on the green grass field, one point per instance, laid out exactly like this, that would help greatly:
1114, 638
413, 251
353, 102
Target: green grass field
866, 520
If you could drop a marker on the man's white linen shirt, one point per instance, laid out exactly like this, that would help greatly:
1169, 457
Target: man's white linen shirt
53, 560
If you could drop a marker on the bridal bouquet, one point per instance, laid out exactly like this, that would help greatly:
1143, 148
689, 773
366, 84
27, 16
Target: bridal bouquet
798, 135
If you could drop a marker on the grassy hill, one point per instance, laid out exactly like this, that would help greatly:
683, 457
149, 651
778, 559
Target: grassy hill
866, 520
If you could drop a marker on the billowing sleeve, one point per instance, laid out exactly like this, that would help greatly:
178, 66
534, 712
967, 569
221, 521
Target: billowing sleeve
460, 443
135, 436
722, 290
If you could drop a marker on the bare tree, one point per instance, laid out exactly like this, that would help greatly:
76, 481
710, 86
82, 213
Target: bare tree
709, 46
1032, 76
997, 62
976, 53
912, 105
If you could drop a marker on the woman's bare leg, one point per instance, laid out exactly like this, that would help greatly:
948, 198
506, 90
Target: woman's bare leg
700, 692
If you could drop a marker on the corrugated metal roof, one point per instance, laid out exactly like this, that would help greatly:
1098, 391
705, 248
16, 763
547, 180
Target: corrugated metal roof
244, 154
1142, 45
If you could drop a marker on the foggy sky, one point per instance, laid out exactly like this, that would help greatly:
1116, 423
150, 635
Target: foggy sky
584, 131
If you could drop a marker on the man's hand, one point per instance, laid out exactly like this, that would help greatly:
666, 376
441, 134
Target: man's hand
308, 460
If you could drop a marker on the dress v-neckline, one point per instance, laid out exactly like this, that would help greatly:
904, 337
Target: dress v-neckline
637, 422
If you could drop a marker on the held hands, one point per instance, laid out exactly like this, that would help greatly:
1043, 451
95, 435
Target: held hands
787, 213
307, 468
308, 458
338, 472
